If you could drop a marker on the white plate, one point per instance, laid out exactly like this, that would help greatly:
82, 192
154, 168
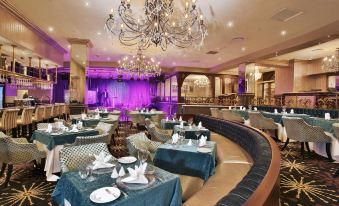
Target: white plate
55, 133
89, 129
103, 196
127, 160
204, 150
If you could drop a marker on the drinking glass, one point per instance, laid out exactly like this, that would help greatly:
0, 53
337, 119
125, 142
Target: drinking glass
181, 136
142, 156
82, 172
89, 172
197, 133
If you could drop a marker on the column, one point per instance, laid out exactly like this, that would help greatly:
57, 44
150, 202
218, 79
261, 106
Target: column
78, 65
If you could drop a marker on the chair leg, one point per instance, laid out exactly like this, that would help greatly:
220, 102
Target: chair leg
276, 133
3, 168
285, 145
328, 151
336, 174
14, 132
36, 164
30, 131
302, 149
308, 147
8, 175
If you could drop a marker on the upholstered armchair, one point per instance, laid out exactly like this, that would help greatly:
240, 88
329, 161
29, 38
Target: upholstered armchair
83, 140
215, 113
336, 133
9, 121
258, 121
139, 142
71, 158
24, 120
229, 115
48, 113
38, 115
298, 130
16, 151
105, 128
158, 135
158, 117
136, 119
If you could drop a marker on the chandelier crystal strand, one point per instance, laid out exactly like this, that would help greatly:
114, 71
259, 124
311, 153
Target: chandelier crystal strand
139, 66
331, 63
160, 25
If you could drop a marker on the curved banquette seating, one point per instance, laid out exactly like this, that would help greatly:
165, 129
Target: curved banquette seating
259, 185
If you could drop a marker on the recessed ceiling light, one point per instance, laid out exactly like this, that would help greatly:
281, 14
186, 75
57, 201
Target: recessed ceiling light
50, 29
243, 48
99, 33
283, 32
230, 24
69, 46
87, 4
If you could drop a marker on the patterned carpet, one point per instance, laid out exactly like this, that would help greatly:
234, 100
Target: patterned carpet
303, 182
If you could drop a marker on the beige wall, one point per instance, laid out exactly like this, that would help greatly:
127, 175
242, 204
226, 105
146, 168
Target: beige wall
284, 80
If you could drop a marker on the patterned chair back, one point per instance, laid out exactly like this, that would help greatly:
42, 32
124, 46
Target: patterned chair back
48, 112
39, 114
231, 116
136, 118
9, 119
157, 134
27, 116
297, 129
215, 112
71, 158
139, 142
44, 126
336, 130
4, 152
83, 140
105, 128
255, 118
158, 117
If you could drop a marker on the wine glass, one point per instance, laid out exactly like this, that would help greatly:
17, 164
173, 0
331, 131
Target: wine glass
89, 172
142, 156
197, 133
181, 136
82, 172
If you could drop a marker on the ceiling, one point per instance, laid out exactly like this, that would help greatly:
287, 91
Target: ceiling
251, 22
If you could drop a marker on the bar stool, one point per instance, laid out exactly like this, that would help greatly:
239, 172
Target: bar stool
48, 113
9, 121
26, 119
38, 116
67, 111
54, 112
61, 110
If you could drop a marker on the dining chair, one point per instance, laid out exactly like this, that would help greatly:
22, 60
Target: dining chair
9, 121
259, 121
215, 113
83, 140
297, 129
25, 120
229, 115
105, 128
335, 127
71, 158
44, 126
16, 151
158, 135
48, 113
136, 119
158, 117
67, 112
55, 110
38, 115
140, 142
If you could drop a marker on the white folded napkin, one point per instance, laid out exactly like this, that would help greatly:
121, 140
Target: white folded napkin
240, 107
173, 119
180, 118
327, 116
244, 108
181, 125
199, 125
255, 109
229, 108
74, 128
97, 116
190, 127
83, 116
115, 173
122, 172
167, 119
137, 175
106, 110
202, 141
189, 142
292, 111
275, 111
79, 125
97, 110
175, 138
101, 161
49, 128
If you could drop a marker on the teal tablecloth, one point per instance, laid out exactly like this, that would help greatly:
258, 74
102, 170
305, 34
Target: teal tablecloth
190, 133
277, 117
324, 123
243, 113
90, 122
165, 192
103, 114
170, 124
53, 140
185, 160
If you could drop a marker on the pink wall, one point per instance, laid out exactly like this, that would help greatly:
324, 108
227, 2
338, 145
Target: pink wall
284, 80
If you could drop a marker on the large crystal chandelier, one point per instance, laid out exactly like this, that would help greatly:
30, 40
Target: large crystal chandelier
160, 25
202, 82
139, 66
331, 63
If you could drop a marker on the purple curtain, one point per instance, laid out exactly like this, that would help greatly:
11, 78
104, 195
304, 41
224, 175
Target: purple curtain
59, 89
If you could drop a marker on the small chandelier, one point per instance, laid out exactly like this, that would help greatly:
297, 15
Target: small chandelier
160, 25
202, 82
331, 63
139, 66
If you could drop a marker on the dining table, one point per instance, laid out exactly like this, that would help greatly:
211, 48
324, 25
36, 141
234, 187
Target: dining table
169, 124
193, 132
71, 190
52, 143
189, 160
